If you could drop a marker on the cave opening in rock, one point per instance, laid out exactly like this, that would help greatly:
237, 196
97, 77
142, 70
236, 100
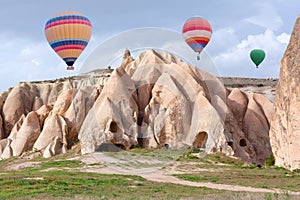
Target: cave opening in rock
200, 140
113, 127
230, 143
243, 142
109, 147
167, 146
121, 146
143, 142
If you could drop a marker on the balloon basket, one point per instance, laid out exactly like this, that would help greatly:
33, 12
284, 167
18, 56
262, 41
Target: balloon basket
70, 68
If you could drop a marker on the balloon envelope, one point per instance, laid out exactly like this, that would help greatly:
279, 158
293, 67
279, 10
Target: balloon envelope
257, 56
68, 33
197, 32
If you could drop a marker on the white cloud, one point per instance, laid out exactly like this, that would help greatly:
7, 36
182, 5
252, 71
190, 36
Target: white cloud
26, 52
237, 57
35, 62
25, 60
284, 38
222, 39
266, 17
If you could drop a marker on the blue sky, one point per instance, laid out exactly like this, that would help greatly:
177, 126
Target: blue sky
238, 26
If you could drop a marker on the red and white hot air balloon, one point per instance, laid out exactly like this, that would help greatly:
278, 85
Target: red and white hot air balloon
197, 32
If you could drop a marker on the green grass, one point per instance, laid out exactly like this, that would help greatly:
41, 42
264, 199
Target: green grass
62, 164
5, 162
58, 178
67, 184
58, 184
234, 173
210, 159
159, 154
65, 181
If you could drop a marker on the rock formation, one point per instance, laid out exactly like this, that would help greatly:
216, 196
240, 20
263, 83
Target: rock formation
285, 128
46, 116
156, 100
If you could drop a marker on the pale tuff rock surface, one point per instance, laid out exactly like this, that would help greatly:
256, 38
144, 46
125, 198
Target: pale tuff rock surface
156, 100
112, 118
24, 139
285, 128
46, 116
1, 128
18, 103
55, 126
159, 100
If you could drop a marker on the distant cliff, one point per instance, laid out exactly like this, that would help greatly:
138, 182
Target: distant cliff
264, 86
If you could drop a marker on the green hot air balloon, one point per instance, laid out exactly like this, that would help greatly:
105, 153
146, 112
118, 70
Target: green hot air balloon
257, 56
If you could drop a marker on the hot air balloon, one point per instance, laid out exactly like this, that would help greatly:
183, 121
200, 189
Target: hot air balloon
68, 34
197, 33
257, 56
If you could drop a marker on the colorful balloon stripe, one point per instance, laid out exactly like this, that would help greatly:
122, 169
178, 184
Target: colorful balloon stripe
67, 16
64, 47
68, 21
69, 59
72, 31
69, 53
69, 39
204, 33
199, 21
197, 47
192, 28
200, 41
68, 42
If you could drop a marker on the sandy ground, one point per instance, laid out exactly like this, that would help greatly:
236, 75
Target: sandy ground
162, 173
150, 168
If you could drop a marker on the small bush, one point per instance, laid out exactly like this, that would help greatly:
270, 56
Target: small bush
270, 161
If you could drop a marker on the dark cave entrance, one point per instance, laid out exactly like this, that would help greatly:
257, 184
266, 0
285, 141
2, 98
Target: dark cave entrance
113, 127
200, 140
243, 142
109, 147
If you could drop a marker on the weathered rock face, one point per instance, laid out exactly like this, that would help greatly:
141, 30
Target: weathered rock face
112, 118
285, 128
46, 116
24, 139
156, 100
159, 100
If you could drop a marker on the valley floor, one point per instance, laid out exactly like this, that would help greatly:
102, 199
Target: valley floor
144, 174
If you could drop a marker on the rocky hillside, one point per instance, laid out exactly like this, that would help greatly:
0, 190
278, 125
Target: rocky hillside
156, 100
37, 115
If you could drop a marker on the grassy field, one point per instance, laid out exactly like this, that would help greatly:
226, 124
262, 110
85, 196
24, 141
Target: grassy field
63, 182
225, 170
60, 178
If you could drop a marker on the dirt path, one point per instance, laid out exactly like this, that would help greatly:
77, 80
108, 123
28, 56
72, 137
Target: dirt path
163, 174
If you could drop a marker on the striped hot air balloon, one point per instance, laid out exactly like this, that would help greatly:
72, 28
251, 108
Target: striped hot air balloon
68, 33
197, 33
